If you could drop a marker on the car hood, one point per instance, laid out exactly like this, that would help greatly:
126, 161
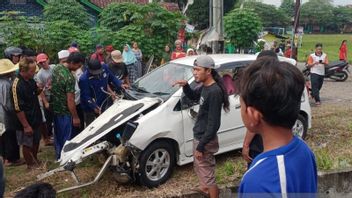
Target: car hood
119, 113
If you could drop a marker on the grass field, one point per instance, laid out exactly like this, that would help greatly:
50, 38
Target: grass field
331, 45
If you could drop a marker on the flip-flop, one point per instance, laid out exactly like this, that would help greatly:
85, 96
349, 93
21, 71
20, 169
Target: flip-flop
200, 192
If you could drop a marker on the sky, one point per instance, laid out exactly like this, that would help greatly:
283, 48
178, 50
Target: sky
335, 2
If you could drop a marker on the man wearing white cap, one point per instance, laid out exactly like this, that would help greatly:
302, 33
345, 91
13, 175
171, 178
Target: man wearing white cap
63, 98
212, 96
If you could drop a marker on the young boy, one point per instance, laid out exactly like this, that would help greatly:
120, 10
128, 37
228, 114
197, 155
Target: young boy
270, 102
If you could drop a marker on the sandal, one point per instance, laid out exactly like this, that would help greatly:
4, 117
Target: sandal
200, 192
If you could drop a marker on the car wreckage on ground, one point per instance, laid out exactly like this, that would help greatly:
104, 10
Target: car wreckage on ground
149, 131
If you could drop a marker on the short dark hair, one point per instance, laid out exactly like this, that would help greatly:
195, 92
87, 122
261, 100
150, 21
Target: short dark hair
267, 53
275, 89
318, 45
28, 52
40, 190
76, 57
24, 64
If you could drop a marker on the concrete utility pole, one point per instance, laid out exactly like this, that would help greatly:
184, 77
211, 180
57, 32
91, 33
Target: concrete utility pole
294, 42
216, 8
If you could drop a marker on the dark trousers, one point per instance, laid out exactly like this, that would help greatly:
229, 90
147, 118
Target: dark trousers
316, 81
89, 117
49, 117
8, 146
62, 132
79, 129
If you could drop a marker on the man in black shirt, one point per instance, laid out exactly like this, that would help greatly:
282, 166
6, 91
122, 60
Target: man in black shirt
118, 67
212, 97
25, 99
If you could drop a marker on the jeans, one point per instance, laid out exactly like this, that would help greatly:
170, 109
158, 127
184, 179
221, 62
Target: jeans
316, 83
63, 129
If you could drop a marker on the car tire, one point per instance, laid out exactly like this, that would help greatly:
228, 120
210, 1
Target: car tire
156, 164
300, 127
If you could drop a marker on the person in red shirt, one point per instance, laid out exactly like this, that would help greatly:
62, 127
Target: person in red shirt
98, 54
343, 51
178, 52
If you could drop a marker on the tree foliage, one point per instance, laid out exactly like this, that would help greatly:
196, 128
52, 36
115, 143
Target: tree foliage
269, 15
343, 17
242, 27
69, 10
288, 7
150, 25
316, 12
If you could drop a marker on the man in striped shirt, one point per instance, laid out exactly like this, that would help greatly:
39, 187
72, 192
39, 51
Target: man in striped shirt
270, 102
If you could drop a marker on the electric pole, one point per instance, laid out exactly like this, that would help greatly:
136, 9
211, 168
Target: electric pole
294, 43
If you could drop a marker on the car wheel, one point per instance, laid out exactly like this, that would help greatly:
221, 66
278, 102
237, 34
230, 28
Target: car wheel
300, 128
156, 164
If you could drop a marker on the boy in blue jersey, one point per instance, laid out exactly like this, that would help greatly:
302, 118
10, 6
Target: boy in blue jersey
271, 93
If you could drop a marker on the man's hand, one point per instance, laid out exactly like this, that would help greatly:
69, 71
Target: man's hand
46, 105
76, 122
180, 82
125, 86
97, 111
245, 154
28, 130
198, 155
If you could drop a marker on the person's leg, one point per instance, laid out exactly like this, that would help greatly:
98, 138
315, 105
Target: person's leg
12, 150
314, 79
2, 179
49, 121
62, 130
89, 117
35, 147
197, 168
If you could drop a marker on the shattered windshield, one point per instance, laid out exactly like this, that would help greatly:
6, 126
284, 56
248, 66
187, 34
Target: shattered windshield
159, 82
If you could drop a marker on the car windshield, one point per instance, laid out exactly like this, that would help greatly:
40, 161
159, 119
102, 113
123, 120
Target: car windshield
159, 82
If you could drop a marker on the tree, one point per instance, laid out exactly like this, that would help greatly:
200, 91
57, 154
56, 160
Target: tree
151, 25
269, 15
118, 15
342, 17
316, 13
242, 27
16, 30
288, 7
69, 10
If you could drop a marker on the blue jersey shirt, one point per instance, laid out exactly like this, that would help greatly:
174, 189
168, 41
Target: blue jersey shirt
94, 88
288, 171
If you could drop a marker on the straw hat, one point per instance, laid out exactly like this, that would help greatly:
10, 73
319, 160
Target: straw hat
6, 66
116, 56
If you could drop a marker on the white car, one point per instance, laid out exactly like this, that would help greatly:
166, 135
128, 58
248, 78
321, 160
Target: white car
150, 131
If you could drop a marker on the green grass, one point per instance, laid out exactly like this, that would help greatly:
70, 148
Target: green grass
331, 45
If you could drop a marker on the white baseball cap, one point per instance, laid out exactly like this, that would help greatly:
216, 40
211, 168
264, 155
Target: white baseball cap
63, 54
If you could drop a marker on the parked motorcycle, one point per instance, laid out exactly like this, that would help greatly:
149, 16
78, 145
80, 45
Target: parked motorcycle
337, 71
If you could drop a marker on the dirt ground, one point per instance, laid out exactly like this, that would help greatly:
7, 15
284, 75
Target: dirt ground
330, 137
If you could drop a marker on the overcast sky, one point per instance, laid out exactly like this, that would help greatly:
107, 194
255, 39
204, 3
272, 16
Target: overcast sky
335, 2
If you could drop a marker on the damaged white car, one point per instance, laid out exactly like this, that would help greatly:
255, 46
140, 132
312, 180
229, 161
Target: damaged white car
149, 131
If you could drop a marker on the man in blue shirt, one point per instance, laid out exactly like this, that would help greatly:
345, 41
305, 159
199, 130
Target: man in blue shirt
270, 102
94, 85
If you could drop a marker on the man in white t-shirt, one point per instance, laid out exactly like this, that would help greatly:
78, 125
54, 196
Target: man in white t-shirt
317, 63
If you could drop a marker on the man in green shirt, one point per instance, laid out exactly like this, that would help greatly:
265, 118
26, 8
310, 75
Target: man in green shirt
63, 98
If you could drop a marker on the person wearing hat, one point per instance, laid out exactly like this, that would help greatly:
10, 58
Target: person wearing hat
98, 54
118, 67
212, 96
63, 98
94, 85
8, 141
43, 79
25, 94
108, 50
13, 54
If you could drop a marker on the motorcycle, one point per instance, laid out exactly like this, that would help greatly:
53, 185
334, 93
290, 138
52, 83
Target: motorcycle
337, 71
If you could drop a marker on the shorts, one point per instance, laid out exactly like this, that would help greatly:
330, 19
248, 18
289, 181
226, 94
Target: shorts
205, 167
28, 140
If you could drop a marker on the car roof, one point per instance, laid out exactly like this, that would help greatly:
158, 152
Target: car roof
225, 60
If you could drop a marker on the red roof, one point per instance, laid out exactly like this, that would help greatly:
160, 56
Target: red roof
104, 3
